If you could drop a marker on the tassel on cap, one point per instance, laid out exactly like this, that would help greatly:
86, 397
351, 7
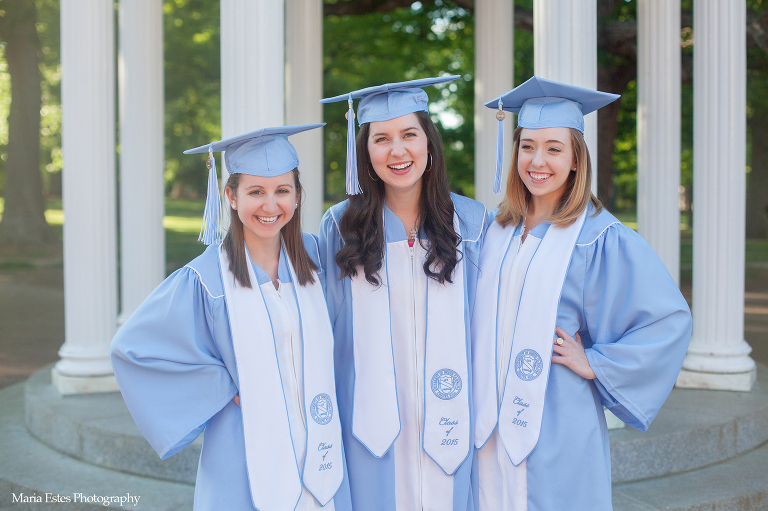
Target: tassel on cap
210, 232
353, 187
499, 148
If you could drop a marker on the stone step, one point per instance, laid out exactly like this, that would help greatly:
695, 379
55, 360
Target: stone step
694, 429
30, 468
695, 426
739, 484
98, 428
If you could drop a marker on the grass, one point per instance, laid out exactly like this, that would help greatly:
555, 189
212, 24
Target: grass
183, 219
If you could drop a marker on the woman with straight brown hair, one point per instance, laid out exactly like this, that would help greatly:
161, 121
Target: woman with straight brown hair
574, 312
238, 343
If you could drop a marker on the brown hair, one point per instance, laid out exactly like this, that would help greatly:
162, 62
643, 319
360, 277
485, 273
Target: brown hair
362, 226
575, 199
234, 241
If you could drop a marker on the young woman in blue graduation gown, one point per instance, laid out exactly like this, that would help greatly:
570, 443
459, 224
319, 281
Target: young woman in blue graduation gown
238, 344
401, 266
562, 280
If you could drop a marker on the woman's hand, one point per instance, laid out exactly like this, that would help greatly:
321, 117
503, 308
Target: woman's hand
236, 399
571, 354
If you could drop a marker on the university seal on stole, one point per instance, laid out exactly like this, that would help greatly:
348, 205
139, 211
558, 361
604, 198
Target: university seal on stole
321, 409
446, 384
528, 365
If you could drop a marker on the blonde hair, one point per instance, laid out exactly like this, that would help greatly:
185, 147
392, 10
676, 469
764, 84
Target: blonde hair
575, 199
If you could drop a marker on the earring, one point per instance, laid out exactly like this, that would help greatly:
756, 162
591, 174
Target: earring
369, 173
297, 205
429, 162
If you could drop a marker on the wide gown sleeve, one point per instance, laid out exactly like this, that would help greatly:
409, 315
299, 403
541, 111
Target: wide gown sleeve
638, 322
168, 365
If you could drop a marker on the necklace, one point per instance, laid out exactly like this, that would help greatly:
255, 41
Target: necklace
412, 236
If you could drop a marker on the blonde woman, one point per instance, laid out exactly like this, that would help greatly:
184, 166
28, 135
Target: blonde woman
574, 312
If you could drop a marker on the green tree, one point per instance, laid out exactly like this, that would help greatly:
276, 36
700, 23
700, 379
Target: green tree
192, 90
23, 218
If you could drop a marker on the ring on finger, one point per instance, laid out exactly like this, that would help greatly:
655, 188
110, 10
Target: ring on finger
559, 341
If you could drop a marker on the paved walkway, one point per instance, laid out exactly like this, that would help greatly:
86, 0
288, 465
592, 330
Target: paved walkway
32, 317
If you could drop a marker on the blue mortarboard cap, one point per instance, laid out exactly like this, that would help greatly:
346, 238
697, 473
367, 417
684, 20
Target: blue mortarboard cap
265, 153
382, 103
542, 103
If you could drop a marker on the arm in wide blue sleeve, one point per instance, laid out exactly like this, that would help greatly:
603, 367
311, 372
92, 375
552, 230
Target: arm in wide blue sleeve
639, 323
167, 363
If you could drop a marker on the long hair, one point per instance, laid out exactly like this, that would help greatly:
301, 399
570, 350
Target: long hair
362, 224
234, 241
575, 199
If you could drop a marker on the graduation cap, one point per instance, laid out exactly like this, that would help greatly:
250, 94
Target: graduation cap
265, 153
382, 103
542, 103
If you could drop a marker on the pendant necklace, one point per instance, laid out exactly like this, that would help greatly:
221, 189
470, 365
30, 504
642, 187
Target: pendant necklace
412, 236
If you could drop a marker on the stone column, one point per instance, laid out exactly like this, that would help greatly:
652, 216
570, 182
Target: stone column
718, 356
658, 128
140, 85
565, 50
494, 75
252, 66
303, 91
88, 143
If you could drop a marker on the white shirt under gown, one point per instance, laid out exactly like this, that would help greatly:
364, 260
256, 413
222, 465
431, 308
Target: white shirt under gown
635, 326
176, 368
405, 478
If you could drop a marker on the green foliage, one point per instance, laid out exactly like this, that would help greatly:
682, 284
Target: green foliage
625, 151
48, 29
50, 112
192, 90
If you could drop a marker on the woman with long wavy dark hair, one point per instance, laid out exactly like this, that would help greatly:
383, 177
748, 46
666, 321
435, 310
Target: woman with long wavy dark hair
401, 267
238, 343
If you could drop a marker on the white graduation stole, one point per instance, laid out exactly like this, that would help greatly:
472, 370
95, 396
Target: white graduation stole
522, 404
376, 419
274, 477
485, 395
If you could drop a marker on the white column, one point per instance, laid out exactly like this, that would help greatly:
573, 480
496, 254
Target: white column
140, 84
303, 91
252, 66
658, 128
494, 75
88, 142
565, 50
718, 356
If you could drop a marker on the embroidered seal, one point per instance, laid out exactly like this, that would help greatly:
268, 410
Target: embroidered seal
528, 365
321, 409
446, 384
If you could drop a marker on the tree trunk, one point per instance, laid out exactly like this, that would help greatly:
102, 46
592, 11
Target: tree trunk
23, 218
757, 179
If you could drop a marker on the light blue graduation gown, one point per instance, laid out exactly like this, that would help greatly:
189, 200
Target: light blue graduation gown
175, 364
635, 326
373, 480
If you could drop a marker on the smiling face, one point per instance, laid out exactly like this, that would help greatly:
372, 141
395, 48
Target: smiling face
545, 159
398, 152
264, 205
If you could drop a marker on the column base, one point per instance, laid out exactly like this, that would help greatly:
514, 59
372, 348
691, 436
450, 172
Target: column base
738, 382
68, 385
